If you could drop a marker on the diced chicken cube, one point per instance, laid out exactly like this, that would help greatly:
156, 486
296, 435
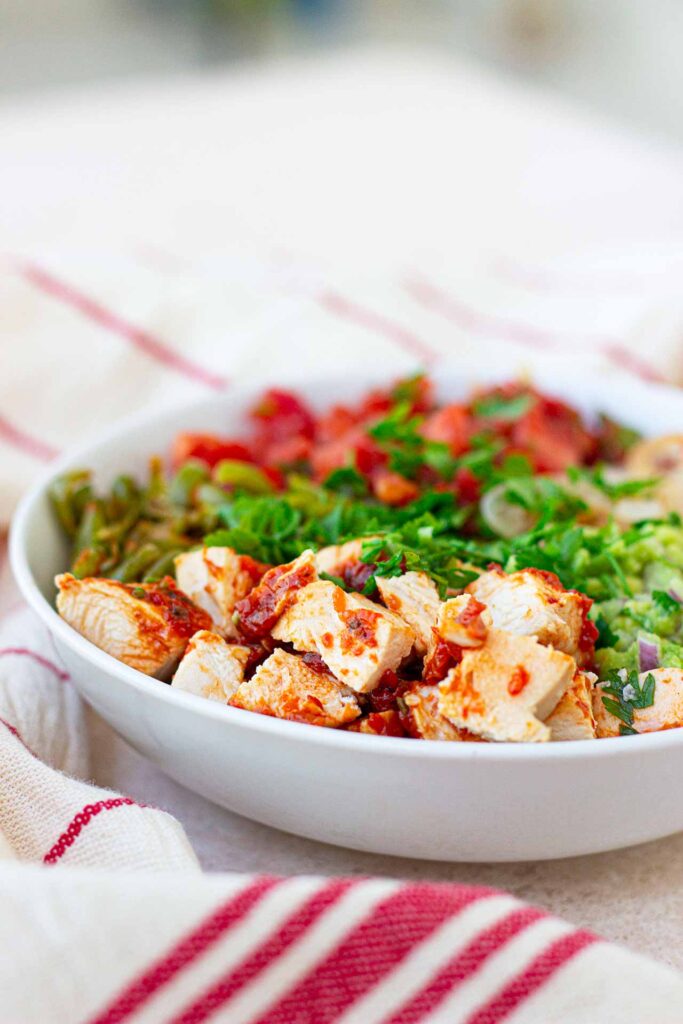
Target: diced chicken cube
573, 717
285, 687
415, 599
534, 603
211, 667
216, 579
665, 713
145, 625
426, 721
463, 621
334, 558
357, 639
261, 608
505, 689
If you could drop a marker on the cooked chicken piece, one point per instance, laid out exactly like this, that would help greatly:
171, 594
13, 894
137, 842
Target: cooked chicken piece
427, 723
379, 723
357, 639
261, 608
534, 603
216, 579
655, 456
573, 717
415, 599
285, 687
504, 690
665, 713
211, 667
333, 558
145, 625
463, 621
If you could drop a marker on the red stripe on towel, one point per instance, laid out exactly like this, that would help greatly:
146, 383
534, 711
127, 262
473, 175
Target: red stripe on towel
466, 963
136, 336
371, 950
292, 930
26, 443
17, 735
185, 952
364, 317
541, 969
78, 823
24, 652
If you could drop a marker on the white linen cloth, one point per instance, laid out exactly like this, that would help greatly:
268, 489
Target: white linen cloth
91, 337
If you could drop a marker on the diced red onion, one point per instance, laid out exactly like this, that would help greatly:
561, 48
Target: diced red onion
676, 596
648, 655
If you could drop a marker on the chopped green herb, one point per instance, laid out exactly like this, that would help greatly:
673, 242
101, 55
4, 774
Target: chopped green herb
502, 407
627, 695
347, 480
665, 601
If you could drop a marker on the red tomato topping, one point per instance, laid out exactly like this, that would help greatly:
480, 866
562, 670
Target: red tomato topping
208, 449
368, 456
394, 489
281, 414
467, 486
553, 436
450, 425
261, 608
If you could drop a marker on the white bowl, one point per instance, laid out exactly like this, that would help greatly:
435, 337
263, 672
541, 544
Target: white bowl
440, 801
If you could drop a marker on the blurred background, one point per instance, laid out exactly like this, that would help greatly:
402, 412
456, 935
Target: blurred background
620, 57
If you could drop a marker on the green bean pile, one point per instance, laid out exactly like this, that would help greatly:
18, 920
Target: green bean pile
134, 531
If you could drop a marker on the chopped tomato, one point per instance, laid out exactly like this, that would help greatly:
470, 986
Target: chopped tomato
288, 451
375, 405
335, 424
209, 449
467, 485
368, 456
275, 475
450, 425
394, 489
553, 436
280, 415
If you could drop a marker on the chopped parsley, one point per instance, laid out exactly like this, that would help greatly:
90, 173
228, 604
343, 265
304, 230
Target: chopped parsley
503, 407
625, 695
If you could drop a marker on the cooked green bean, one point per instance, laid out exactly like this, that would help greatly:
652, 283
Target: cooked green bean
136, 564
69, 494
186, 481
163, 566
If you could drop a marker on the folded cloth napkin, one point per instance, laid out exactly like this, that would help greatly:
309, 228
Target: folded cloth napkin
106, 916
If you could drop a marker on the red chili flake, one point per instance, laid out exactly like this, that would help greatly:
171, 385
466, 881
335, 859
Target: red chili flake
180, 613
360, 631
518, 680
